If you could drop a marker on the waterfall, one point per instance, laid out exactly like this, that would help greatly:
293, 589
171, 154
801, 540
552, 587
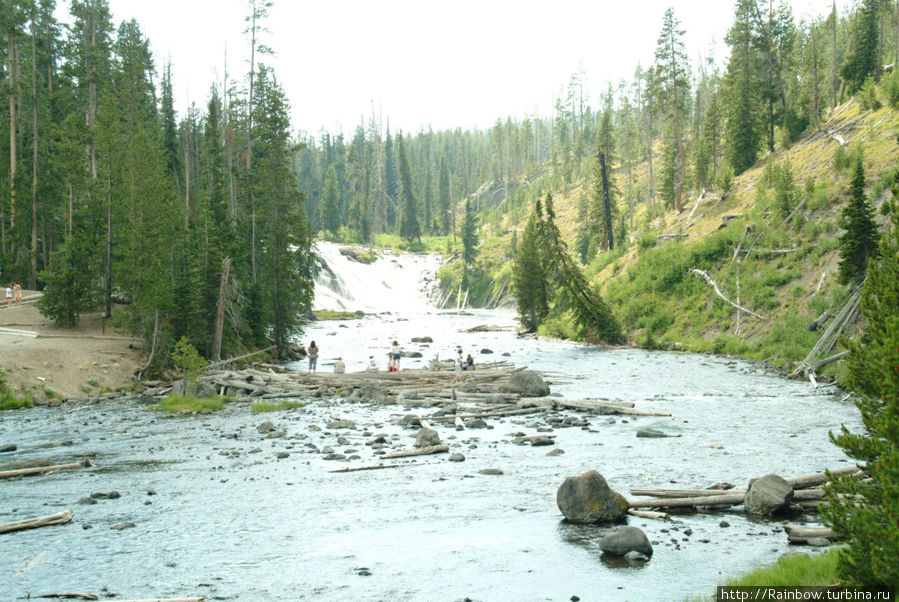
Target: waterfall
393, 282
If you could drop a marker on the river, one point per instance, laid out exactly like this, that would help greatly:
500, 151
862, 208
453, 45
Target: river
228, 520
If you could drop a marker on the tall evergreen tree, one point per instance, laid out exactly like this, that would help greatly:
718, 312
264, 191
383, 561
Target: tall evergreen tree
866, 511
391, 181
410, 228
443, 197
672, 76
859, 242
863, 62
469, 240
529, 278
330, 210
742, 85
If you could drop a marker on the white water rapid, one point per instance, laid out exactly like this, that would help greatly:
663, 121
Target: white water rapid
395, 282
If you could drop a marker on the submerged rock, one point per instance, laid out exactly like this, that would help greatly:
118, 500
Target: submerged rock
589, 499
767, 495
9, 447
624, 540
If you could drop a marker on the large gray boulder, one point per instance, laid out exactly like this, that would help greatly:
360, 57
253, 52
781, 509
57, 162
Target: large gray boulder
197, 388
589, 499
527, 383
427, 437
626, 539
767, 495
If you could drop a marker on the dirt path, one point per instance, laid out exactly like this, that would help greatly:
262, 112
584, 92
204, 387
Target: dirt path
36, 356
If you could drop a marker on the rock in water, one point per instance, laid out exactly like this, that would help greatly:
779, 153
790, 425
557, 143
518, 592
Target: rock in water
588, 499
9, 447
457, 458
526, 383
626, 539
427, 437
767, 495
650, 433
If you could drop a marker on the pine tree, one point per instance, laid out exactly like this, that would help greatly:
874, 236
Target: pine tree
410, 229
859, 242
743, 102
784, 188
330, 210
672, 76
469, 240
866, 512
391, 177
443, 197
529, 279
862, 63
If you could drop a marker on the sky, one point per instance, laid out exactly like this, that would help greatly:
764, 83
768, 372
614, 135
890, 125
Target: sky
423, 63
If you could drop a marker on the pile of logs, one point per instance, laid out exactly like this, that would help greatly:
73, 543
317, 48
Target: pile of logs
479, 393
807, 495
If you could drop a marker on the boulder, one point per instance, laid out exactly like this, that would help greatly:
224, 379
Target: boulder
197, 388
651, 433
427, 437
486, 351
457, 457
623, 540
9, 447
589, 499
526, 383
341, 424
422, 340
767, 495
265, 427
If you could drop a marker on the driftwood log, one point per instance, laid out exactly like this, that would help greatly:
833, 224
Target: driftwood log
424, 451
800, 534
60, 518
42, 469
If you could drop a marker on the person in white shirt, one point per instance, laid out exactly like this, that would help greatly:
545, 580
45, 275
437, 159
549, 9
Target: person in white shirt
372, 364
395, 354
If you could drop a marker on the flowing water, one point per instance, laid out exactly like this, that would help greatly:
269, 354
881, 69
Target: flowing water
229, 522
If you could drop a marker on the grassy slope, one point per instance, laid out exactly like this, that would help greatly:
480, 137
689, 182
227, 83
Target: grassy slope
649, 284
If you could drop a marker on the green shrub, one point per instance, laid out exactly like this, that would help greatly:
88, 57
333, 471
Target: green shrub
890, 84
867, 96
188, 360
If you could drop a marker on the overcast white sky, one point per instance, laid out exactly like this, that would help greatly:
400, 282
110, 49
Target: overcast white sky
444, 64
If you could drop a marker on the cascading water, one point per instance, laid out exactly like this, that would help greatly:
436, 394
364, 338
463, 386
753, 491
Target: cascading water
399, 283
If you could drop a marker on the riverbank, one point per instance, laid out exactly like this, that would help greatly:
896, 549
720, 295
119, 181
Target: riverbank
59, 363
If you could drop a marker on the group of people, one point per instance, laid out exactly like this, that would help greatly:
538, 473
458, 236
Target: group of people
393, 359
13, 291
464, 363
393, 362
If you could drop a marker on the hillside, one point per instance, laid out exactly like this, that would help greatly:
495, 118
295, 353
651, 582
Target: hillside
784, 271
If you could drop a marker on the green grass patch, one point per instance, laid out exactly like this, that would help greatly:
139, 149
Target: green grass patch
813, 571
174, 404
16, 403
327, 314
820, 569
264, 406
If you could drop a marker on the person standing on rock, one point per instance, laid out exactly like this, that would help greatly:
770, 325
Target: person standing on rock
396, 353
313, 356
339, 366
9, 296
461, 362
17, 293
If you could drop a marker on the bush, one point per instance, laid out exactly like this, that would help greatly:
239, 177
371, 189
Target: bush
8, 400
867, 96
263, 406
890, 85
